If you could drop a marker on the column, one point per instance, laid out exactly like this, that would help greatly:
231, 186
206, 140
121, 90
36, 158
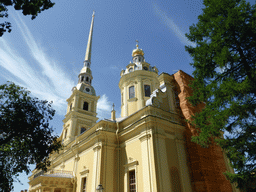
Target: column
163, 167
146, 164
96, 168
185, 179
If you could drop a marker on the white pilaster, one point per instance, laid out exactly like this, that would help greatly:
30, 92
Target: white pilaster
140, 94
125, 112
73, 127
96, 167
75, 102
109, 167
146, 163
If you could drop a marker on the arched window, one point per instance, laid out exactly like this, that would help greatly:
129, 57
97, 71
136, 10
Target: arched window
85, 106
82, 78
70, 107
65, 134
131, 92
82, 130
145, 68
147, 90
87, 79
90, 81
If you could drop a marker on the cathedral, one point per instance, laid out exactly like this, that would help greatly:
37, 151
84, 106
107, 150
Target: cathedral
147, 149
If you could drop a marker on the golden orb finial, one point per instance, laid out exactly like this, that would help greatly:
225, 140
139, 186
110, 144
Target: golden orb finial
137, 51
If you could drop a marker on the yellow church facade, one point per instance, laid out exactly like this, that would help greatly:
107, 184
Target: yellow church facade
145, 150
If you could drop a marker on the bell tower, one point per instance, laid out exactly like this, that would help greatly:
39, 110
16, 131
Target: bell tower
82, 104
137, 82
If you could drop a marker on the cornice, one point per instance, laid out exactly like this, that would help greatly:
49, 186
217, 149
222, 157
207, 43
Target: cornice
137, 74
131, 164
85, 171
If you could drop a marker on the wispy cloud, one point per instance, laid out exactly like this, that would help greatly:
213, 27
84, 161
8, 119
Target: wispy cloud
104, 107
50, 82
170, 24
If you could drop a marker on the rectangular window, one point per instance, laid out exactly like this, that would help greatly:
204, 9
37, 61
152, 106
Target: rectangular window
84, 184
147, 90
132, 181
131, 92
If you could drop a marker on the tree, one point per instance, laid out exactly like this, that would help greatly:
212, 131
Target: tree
224, 60
31, 7
25, 134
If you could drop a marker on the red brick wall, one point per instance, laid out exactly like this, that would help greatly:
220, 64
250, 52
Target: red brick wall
206, 164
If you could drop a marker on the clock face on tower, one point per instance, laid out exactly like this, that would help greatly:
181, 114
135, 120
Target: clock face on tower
87, 90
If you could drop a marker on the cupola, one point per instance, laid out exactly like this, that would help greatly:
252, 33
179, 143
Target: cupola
138, 63
137, 82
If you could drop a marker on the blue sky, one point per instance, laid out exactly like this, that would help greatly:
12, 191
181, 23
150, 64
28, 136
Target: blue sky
45, 55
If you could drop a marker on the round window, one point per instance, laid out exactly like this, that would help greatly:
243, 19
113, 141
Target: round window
131, 69
145, 68
87, 90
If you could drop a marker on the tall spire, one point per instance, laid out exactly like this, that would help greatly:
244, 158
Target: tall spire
87, 59
85, 75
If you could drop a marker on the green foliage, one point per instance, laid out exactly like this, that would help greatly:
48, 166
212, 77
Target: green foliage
25, 135
225, 80
31, 7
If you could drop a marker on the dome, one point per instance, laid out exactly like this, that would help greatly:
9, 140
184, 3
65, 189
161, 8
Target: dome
137, 51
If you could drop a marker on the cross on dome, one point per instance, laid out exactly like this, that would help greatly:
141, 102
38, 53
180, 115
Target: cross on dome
137, 44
